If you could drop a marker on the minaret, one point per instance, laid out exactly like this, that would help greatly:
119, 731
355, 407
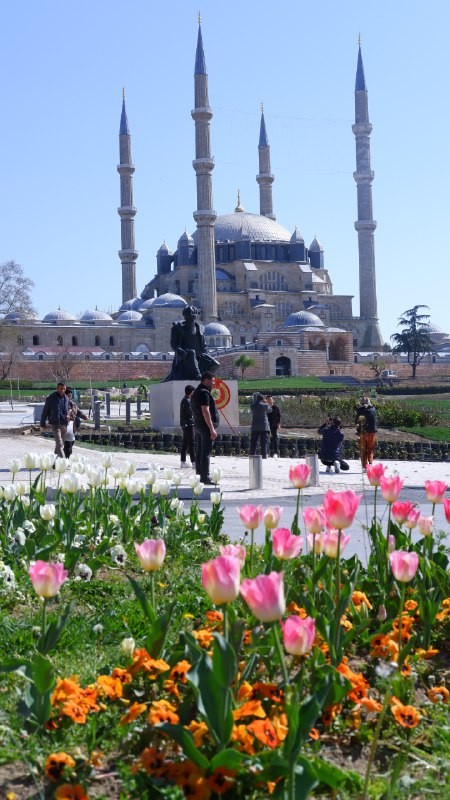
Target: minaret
369, 331
127, 212
203, 165
265, 177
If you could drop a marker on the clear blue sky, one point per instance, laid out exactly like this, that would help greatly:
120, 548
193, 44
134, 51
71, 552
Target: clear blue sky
63, 68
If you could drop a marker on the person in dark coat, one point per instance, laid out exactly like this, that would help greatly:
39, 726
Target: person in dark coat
56, 412
260, 428
275, 425
332, 440
366, 428
206, 417
187, 426
75, 417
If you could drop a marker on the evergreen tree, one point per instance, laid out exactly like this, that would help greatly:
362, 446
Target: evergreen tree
414, 339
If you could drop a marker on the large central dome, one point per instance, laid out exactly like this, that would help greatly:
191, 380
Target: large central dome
241, 225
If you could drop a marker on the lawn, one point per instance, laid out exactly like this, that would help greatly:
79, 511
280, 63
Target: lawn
139, 658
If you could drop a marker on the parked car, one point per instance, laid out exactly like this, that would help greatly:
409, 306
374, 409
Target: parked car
388, 374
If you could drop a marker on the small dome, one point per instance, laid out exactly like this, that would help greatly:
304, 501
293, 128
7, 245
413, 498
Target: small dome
129, 316
430, 328
303, 318
169, 299
132, 305
216, 329
185, 238
96, 316
297, 237
59, 316
315, 246
147, 304
164, 249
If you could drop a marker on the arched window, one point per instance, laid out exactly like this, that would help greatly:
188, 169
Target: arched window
20, 341
112, 341
177, 287
74, 341
231, 253
59, 341
97, 341
35, 340
273, 281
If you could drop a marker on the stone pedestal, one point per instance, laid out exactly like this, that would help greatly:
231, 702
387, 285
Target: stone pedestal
165, 399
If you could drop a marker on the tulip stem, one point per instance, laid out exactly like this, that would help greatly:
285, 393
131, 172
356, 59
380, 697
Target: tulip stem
44, 619
226, 631
376, 736
400, 617
338, 595
279, 649
152, 590
252, 535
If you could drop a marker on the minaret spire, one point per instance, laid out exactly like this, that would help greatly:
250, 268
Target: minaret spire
265, 177
369, 332
203, 164
127, 212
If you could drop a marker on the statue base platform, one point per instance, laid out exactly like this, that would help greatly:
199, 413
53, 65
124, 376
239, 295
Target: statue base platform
165, 399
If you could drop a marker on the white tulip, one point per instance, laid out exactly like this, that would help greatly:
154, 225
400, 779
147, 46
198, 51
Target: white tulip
95, 476
77, 468
133, 486
193, 480
165, 487
216, 474
14, 465
19, 537
176, 478
29, 526
174, 503
31, 460
114, 519
130, 467
128, 646
201, 519
61, 465
47, 512
107, 460
167, 474
9, 492
25, 501
71, 484
180, 508
21, 488
215, 498
150, 477
46, 461
198, 488
156, 488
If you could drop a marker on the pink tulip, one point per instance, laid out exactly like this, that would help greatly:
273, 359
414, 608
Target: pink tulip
298, 635
272, 516
435, 491
299, 476
340, 508
151, 554
47, 578
374, 472
425, 525
264, 596
401, 510
314, 519
220, 579
330, 543
391, 486
446, 504
391, 543
315, 542
251, 516
236, 550
404, 565
284, 544
412, 518
382, 614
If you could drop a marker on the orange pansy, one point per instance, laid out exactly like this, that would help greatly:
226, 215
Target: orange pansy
221, 780
56, 763
111, 687
162, 711
438, 694
253, 708
263, 730
68, 792
406, 716
203, 637
133, 713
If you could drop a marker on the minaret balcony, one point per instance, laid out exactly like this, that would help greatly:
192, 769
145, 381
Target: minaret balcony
128, 255
364, 177
362, 128
265, 177
205, 216
203, 165
365, 225
127, 211
204, 113
125, 169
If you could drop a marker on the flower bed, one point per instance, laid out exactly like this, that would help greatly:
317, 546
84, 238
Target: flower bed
144, 655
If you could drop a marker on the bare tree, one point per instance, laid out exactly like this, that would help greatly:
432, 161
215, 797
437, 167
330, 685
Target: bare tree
15, 289
9, 350
64, 364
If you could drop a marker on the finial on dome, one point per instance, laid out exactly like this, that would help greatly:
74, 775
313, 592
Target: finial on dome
262, 108
239, 207
199, 17
123, 92
359, 40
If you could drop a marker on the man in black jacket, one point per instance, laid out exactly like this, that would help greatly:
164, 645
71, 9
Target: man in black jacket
206, 417
187, 426
275, 425
56, 411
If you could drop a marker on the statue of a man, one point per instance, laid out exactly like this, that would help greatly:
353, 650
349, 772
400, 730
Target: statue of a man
188, 343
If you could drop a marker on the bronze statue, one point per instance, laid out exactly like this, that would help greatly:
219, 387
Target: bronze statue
188, 343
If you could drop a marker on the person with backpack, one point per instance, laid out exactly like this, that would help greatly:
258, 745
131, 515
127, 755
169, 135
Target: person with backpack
366, 429
332, 442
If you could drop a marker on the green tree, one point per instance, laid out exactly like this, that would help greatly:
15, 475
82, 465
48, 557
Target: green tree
243, 363
414, 339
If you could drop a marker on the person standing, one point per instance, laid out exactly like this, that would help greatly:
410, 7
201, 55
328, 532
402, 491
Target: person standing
187, 426
332, 440
206, 417
56, 411
75, 414
366, 428
275, 425
260, 428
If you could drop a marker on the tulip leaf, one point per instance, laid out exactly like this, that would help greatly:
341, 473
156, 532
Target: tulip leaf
214, 702
186, 742
231, 759
334, 777
143, 600
35, 705
224, 662
154, 641
54, 629
13, 664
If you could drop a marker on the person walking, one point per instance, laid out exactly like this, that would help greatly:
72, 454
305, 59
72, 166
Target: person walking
366, 428
260, 428
274, 424
206, 418
56, 412
75, 415
332, 441
187, 426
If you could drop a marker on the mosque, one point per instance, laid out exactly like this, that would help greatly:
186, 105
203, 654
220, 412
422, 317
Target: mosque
257, 285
